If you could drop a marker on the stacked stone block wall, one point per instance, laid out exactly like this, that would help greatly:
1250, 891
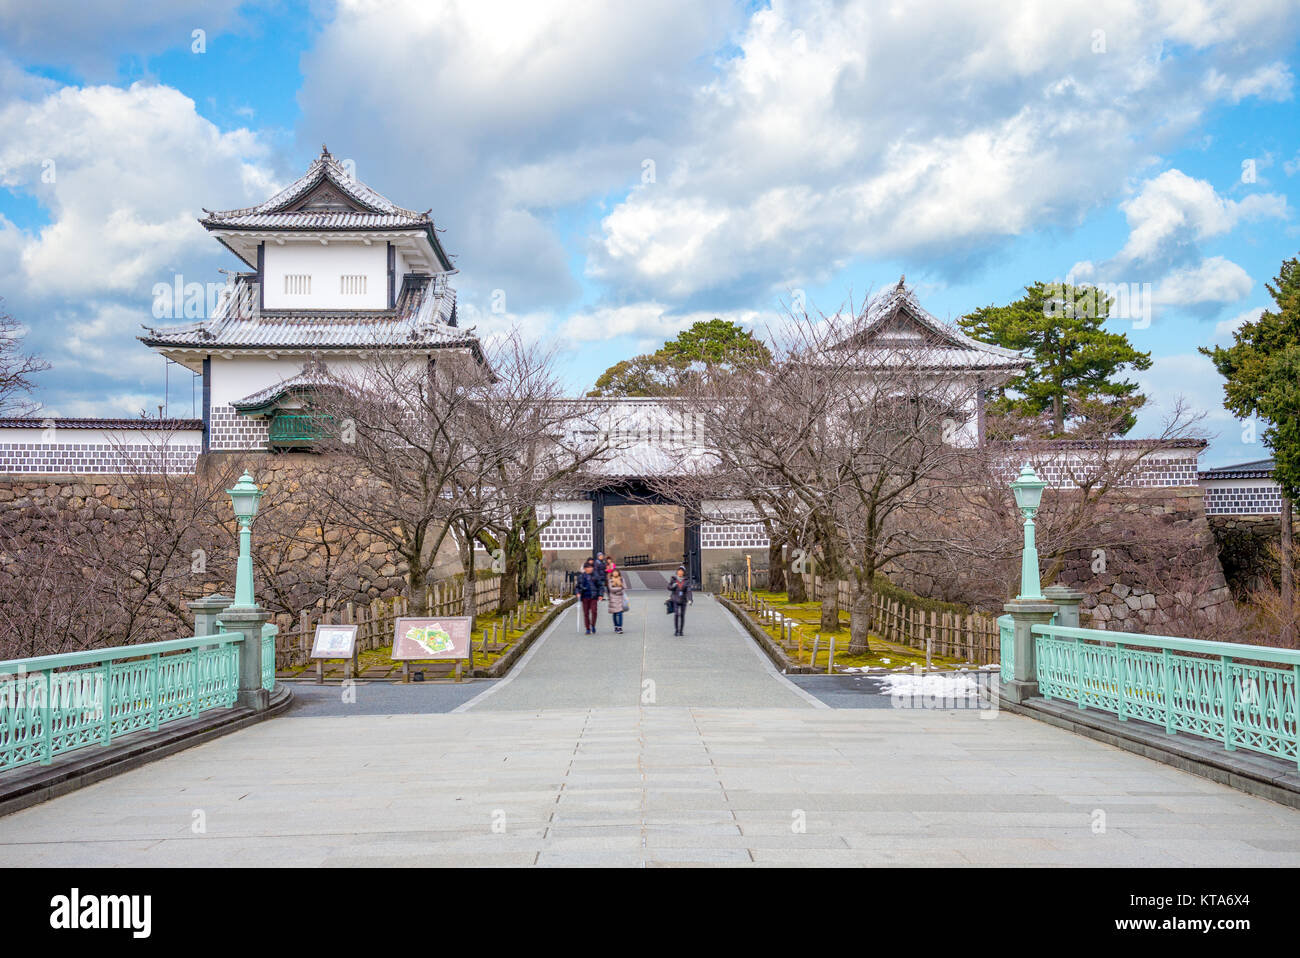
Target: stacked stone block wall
1143, 578
1247, 546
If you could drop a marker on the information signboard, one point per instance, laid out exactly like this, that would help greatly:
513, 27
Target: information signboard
425, 639
334, 642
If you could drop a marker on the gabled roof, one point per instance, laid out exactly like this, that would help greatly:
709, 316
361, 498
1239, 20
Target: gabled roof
327, 186
313, 376
899, 330
1259, 469
326, 197
424, 317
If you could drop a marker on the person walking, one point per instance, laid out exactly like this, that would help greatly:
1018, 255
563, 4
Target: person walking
617, 598
601, 571
679, 594
589, 591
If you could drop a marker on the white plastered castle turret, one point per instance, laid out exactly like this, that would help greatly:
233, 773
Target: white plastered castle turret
334, 269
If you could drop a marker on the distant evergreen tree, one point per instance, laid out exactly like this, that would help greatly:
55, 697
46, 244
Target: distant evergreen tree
1075, 363
1261, 371
707, 343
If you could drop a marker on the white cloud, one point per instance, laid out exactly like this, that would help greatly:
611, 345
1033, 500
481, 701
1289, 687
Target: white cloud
931, 131
125, 405
489, 324
1272, 81
1174, 209
653, 322
129, 169
1226, 327
121, 174
1213, 280
856, 130
90, 37
519, 108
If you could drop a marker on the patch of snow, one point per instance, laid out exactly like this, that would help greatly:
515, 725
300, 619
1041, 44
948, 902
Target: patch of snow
945, 686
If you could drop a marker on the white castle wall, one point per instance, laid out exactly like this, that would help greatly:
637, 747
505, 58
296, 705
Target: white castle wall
325, 265
734, 525
1242, 497
1177, 467
572, 528
56, 450
236, 379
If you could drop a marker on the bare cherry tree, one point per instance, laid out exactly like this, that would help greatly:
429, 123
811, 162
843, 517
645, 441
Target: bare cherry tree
17, 368
116, 567
851, 436
303, 554
396, 429
533, 446
1094, 506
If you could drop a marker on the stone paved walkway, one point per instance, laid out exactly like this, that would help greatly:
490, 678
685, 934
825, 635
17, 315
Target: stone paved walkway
698, 777
713, 664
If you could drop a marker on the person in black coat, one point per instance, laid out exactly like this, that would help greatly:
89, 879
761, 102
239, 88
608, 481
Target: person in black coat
589, 590
601, 571
679, 594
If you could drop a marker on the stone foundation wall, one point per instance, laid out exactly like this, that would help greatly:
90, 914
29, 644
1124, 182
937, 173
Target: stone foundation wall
379, 572
345, 565
1246, 545
1160, 564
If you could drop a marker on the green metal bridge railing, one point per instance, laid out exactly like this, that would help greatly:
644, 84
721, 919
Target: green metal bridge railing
52, 704
1007, 645
1244, 696
269, 632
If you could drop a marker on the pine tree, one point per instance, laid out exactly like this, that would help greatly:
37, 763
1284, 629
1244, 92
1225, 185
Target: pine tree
1075, 364
716, 342
1261, 372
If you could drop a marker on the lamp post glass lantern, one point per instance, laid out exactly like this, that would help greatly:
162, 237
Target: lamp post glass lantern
244, 497
1028, 490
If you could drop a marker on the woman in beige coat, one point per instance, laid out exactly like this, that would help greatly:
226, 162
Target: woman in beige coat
617, 599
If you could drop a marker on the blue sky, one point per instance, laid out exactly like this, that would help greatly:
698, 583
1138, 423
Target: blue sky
617, 173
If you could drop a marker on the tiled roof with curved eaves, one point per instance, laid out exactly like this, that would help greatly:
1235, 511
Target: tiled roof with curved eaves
900, 331
1259, 469
375, 210
322, 221
424, 317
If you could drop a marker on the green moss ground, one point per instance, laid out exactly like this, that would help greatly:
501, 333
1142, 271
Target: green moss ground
379, 662
807, 618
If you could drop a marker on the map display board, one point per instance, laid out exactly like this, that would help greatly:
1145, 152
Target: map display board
444, 637
334, 642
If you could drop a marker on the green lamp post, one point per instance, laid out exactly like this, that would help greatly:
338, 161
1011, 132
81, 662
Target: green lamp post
1028, 489
244, 496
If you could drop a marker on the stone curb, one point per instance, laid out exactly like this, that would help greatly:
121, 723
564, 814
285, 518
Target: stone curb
765, 642
32, 785
1250, 772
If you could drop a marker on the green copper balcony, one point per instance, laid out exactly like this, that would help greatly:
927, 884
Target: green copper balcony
298, 429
